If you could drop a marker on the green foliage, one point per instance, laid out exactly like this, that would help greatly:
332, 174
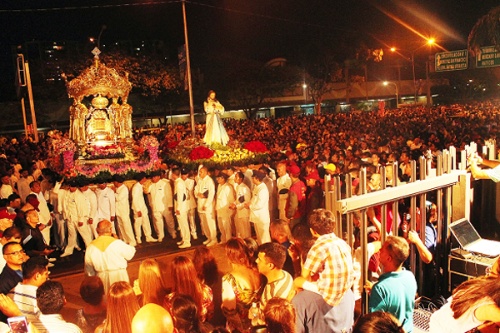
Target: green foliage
150, 75
486, 31
253, 83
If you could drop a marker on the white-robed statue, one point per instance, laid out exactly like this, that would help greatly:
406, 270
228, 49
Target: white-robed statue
215, 131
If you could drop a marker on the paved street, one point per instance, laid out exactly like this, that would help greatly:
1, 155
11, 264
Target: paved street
69, 270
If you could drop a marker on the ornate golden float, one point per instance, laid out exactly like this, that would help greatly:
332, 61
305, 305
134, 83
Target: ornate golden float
100, 141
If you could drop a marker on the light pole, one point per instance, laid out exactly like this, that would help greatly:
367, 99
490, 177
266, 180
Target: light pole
429, 42
386, 83
304, 91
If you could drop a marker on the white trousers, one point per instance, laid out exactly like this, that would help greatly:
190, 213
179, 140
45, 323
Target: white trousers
262, 232
144, 223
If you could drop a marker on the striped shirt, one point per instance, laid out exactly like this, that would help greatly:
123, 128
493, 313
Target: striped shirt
24, 295
331, 258
54, 323
282, 288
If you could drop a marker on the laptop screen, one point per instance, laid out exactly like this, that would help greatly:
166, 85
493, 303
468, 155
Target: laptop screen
464, 232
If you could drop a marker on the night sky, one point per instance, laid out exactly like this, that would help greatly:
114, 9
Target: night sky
256, 29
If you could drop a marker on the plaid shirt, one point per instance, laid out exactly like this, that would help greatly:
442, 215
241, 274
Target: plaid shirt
331, 257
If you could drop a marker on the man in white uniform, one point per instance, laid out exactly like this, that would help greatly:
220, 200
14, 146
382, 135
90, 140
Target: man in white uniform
162, 206
283, 183
205, 193
106, 203
225, 198
241, 204
76, 209
141, 216
259, 208
23, 185
107, 256
57, 200
92, 198
181, 206
190, 183
123, 211
44, 212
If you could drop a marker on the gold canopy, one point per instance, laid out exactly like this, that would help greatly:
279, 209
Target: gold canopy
100, 123
99, 80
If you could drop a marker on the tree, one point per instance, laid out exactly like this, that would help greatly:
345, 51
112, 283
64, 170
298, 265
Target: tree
320, 76
486, 31
150, 75
253, 83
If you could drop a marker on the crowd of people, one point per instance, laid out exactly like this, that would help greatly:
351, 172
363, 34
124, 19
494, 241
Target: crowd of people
290, 271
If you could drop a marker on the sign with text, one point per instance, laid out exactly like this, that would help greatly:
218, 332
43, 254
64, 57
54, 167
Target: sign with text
488, 56
452, 60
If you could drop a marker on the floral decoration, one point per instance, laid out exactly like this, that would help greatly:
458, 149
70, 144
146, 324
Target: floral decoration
149, 141
192, 152
255, 146
92, 152
200, 152
63, 144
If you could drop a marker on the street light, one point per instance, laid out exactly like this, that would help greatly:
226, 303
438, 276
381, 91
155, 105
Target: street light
429, 42
304, 91
386, 83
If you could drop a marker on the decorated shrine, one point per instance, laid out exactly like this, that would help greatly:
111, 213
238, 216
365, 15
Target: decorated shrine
100, 141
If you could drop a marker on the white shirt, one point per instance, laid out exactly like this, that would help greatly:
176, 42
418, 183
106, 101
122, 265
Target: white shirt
259, 205
106, 205
243, 196
190, 183
138, 202
161, 195
442, 321
205, 185
181, 196
44, 212
54, 323
76, 206
107, 258
122, 202
92, 199
24, 295
225, 197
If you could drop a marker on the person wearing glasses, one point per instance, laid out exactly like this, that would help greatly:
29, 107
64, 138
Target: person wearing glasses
12, 273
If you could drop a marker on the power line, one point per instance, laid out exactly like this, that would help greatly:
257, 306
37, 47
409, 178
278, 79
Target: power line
163, 2
32, 10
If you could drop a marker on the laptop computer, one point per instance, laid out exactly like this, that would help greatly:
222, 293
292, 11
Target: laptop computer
469, 239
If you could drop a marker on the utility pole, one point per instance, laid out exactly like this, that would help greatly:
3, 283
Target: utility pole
188, 69
32, 103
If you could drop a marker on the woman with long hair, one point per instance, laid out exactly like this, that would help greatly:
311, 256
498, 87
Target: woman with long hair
473, 303
150, 282
209, 274
185, 281
240, 287
122, 306
185, 315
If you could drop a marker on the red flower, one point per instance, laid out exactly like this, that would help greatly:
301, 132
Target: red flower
172, 144
200, 152
255, 147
